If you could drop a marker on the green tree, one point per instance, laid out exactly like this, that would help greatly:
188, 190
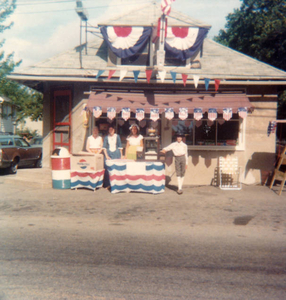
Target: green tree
29, 102
258, 29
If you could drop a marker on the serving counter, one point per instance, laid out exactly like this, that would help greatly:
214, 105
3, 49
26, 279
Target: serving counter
139, 176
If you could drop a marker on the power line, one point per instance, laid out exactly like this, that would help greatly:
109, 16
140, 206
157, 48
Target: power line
60, 10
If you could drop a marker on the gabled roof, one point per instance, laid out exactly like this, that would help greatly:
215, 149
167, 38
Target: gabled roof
217, 62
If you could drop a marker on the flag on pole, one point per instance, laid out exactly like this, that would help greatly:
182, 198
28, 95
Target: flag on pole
271, 127
166, 6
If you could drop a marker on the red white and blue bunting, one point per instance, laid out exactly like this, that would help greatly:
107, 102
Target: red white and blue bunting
242, 112
125, 113
140, 114
111, 113
227, 113
169, 113
97, 111
126, 41
212, 114
183, 113
198, 114
154, 114
184, 42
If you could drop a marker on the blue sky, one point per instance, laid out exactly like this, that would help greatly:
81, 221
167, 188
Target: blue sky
44, 28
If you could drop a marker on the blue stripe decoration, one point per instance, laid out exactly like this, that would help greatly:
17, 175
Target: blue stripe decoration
86, 184
151, 188
116, 167
61, 184
155, 167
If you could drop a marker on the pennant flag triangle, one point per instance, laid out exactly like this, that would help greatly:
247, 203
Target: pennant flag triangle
100, 72
123, 73
184, 77
174, 75
162, 75
148, 75
217, 82
196, 80
111, 72
136, 74
207, 82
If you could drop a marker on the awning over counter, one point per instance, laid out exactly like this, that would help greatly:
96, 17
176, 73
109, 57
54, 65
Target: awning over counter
162, 101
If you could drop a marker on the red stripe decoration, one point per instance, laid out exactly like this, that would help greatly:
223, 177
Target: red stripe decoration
137, 177
85, 174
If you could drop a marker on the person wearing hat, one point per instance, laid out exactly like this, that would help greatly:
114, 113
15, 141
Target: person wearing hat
180, 151
134, 140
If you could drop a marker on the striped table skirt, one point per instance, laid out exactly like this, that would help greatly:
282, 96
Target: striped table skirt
126, 176
89, 180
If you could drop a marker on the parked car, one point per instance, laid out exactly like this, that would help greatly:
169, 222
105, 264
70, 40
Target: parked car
15, 151
37, 140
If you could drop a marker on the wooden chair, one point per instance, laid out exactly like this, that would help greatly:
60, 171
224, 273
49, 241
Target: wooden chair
280, 172
229, 173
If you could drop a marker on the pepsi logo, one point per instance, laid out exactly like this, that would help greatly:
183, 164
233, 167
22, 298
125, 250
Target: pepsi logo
83, 164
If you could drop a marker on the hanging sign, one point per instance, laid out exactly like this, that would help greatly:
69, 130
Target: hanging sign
198, 114
97, 111
227, 113
169, 113
154, 114
125, 113
111, 113
183, 113
140, 114
242, 112
212, 114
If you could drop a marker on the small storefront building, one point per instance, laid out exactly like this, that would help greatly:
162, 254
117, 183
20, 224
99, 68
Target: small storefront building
219, 98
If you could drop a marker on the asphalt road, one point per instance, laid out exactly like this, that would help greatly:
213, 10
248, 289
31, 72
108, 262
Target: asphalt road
62, 244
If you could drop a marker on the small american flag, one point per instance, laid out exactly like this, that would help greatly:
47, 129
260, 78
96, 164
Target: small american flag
97, 111
227, 113
271, 127
198, 114
111, 113
140, 114
125, 113
154, 114
183, 113
242, 112
166, 6
169, 113
212, 114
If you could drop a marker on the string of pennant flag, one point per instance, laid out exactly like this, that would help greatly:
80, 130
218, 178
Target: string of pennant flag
162, 75
169, 113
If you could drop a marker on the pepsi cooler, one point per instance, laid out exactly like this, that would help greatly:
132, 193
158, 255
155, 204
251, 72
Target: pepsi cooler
86, 162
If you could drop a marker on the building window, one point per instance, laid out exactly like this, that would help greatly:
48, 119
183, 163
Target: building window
207, 133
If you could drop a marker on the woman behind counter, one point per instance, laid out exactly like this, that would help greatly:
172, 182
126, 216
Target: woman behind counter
94, 142
134, 140
112, 145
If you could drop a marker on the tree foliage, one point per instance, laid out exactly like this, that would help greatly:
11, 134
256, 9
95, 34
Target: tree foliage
258, 29
29, 103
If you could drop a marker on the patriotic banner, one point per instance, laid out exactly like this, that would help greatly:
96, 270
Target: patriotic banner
184, 42
242, 112
140, 114
212, 114
198, 114
154, 114
183, 113
271, 127
217, 82
166, 6
126, 41
88, 180
97, 111
169, 113
227, 113
125, 113
111, 113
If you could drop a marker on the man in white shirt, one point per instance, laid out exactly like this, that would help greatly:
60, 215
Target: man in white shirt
180, 151
94, 142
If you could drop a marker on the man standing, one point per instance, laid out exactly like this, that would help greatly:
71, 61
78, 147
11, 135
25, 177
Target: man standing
180, 151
